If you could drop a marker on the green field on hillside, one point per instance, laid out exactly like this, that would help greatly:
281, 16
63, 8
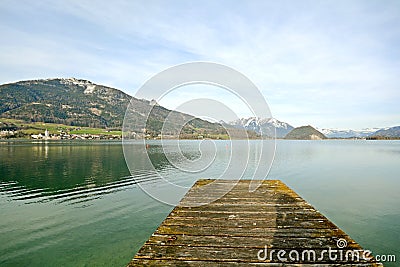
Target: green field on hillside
27, 128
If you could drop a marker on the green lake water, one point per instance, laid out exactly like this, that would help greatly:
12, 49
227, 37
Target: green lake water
77, 204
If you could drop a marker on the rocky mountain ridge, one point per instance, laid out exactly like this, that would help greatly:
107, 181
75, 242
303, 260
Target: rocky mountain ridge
264, 126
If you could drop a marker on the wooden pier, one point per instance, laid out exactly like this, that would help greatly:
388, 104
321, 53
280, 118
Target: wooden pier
272, 226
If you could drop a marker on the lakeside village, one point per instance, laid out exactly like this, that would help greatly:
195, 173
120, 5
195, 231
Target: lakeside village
104, 134
61, 135
108, 135
59, 132
66, 136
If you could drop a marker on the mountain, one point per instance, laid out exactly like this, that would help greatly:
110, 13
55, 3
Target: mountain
305, 133
265, 127
364, 133
335, 133
67, 101
82, 103
78, 102
393, 132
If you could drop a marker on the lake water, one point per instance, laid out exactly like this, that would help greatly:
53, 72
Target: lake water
76, 203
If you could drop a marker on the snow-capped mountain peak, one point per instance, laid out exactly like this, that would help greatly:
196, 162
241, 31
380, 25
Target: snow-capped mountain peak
264, 126
346, 133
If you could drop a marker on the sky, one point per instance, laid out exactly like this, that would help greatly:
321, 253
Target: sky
329, 64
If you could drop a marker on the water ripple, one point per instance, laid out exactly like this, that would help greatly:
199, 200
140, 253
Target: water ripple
78, 194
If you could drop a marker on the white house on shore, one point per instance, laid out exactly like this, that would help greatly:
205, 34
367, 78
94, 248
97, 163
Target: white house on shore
41, 136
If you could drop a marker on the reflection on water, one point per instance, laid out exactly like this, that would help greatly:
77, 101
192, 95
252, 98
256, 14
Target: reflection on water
74, 172
58, 167
77, 204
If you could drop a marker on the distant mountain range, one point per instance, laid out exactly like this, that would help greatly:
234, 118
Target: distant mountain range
265, 127
334, 133
364, 133
387, 132
79, 102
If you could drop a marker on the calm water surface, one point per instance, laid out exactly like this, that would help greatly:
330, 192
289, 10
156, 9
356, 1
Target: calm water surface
76, 204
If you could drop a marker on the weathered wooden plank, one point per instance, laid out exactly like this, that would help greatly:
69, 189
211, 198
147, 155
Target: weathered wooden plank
246, 223
242, 198
254, 204
250, 208
240, 192
249, 241
230, 230
296, 214
219, 230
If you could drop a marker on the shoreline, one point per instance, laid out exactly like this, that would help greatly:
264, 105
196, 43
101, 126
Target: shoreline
40, 141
